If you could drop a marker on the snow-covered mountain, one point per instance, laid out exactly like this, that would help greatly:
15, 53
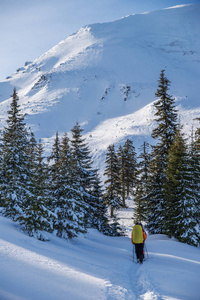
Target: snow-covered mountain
105, 77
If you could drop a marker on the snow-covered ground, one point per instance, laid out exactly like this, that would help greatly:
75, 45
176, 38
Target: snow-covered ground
96, 267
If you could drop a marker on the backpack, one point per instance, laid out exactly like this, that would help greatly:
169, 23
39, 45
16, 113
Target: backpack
137, 234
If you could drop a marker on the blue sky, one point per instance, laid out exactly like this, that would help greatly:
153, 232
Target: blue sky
29, 28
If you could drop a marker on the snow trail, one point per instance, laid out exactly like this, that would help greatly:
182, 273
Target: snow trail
95, 267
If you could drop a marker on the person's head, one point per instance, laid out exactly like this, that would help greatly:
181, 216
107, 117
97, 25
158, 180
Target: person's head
139, 223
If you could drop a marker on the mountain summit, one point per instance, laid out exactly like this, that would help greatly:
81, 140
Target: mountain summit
105, 77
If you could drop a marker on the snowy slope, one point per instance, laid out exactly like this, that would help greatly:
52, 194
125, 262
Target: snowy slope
95, 267
105, 76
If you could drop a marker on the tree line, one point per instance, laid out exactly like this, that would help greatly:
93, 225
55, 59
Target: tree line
61, 194
164, 179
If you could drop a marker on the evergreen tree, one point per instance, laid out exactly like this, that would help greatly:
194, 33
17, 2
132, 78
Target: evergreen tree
100, 219
194, 167
179, 216
197, 155
1, 171
197, 137
127, 169
36, 217
143, 167
81, 155
166, 117
122, 171
116, 229
42, 187
130, 167
69, 211
82, 172
54, 178
15, 186
142, 186
113, 187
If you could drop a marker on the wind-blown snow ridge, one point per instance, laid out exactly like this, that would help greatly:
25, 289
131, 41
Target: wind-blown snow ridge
73, 52
105, 76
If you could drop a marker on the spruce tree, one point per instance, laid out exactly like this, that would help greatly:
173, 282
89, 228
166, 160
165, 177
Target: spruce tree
142, 185
54, 178
82, 172
116, 229
127, 169
179, 207
36, 217
42, 187
1, 171
15, 186
100, 219
122, 171
81, 154
130, 167
166, 118
194, 167
69, 210
113, 186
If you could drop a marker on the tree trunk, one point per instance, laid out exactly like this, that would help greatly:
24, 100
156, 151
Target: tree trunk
111, 211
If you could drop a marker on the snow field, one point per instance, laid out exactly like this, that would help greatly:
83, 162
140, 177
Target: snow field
95, 266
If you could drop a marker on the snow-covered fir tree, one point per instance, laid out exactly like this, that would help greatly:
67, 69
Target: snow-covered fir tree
69, 210
83, 173
142, 186
37, 218
179, 193
54, 178
1, 171
122, 171
81, 153
65, 200
127, 169
116, 229
197, 155
113, 187
166, 118
194, 168
16, 175
130, 167
100, 219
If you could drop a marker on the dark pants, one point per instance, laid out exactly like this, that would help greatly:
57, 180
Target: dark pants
139, 250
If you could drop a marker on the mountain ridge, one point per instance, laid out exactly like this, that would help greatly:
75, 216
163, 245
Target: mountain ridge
106, 74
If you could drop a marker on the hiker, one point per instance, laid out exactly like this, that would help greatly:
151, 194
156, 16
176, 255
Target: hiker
138, 237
